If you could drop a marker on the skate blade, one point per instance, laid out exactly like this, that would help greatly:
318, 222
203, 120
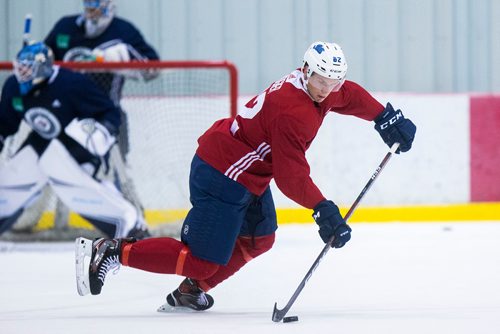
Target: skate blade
83, 252
167, 308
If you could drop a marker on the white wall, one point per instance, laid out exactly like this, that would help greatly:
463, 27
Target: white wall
436, 170
391, 45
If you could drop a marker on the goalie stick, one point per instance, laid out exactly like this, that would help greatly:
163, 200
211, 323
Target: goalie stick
27, 29
278, 314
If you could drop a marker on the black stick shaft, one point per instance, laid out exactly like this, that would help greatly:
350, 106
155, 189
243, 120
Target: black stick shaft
278, 314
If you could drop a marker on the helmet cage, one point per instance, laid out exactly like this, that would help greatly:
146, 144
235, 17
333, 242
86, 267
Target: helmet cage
96, 22
105, 8
33, 64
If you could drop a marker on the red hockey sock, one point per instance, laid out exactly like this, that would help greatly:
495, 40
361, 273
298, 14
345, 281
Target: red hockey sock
244, 251
166, 256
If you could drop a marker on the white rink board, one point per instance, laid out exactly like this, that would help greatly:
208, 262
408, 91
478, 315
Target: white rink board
347, 151
344, 155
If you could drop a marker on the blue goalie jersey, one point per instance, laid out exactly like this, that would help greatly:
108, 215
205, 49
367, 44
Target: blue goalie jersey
69, 32
68, 42
50, 106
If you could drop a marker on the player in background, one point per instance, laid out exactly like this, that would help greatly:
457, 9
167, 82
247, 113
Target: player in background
98, 34
233, 218
73, 126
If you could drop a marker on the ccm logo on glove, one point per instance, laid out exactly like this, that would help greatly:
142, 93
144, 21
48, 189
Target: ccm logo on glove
393, 127
393, 120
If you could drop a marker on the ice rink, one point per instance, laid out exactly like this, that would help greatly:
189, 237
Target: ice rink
391, 278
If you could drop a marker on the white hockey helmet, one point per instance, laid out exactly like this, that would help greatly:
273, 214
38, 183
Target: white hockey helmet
325, 59
33, 64
98, 15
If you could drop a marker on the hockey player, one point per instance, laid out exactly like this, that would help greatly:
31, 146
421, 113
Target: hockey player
233, 218
73, 124
98, 34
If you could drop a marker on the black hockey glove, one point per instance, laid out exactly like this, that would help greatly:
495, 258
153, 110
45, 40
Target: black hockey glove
330, 222
1, 144
393, 127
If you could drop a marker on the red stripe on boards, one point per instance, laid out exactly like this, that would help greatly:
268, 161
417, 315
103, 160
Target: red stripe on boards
485, 148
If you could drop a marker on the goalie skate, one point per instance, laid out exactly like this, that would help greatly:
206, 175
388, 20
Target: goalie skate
83, 252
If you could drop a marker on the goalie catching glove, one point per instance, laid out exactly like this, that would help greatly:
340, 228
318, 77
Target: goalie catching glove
330, 222
107, 52
393, 127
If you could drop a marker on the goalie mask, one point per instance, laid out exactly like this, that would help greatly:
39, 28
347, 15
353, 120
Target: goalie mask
98, 15
33, 65
327, 60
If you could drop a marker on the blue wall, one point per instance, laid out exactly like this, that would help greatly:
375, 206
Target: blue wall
390, 45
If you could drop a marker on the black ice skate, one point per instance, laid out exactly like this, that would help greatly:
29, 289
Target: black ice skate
188, 296
104, 256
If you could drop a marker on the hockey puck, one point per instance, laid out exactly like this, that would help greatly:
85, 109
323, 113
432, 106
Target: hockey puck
291, 319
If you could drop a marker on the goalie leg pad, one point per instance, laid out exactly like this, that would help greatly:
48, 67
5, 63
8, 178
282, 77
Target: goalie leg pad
21, 182
6, 223
100, 201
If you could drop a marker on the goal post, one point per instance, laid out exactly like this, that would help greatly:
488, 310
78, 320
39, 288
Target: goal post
168, 105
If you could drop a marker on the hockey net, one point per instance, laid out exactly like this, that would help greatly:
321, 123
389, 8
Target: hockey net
168, 105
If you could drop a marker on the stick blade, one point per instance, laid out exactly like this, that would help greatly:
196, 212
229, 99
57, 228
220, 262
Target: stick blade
278, 314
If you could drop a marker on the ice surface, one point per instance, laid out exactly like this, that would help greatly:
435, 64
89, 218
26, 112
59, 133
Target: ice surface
391, 278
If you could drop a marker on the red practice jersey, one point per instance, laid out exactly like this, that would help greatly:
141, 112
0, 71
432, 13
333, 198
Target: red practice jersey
269, 137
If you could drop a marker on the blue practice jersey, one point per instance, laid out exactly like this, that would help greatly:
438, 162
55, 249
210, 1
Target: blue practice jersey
53, 104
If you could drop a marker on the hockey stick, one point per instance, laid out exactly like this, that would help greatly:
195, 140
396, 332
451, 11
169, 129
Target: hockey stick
278, 314
27, 29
